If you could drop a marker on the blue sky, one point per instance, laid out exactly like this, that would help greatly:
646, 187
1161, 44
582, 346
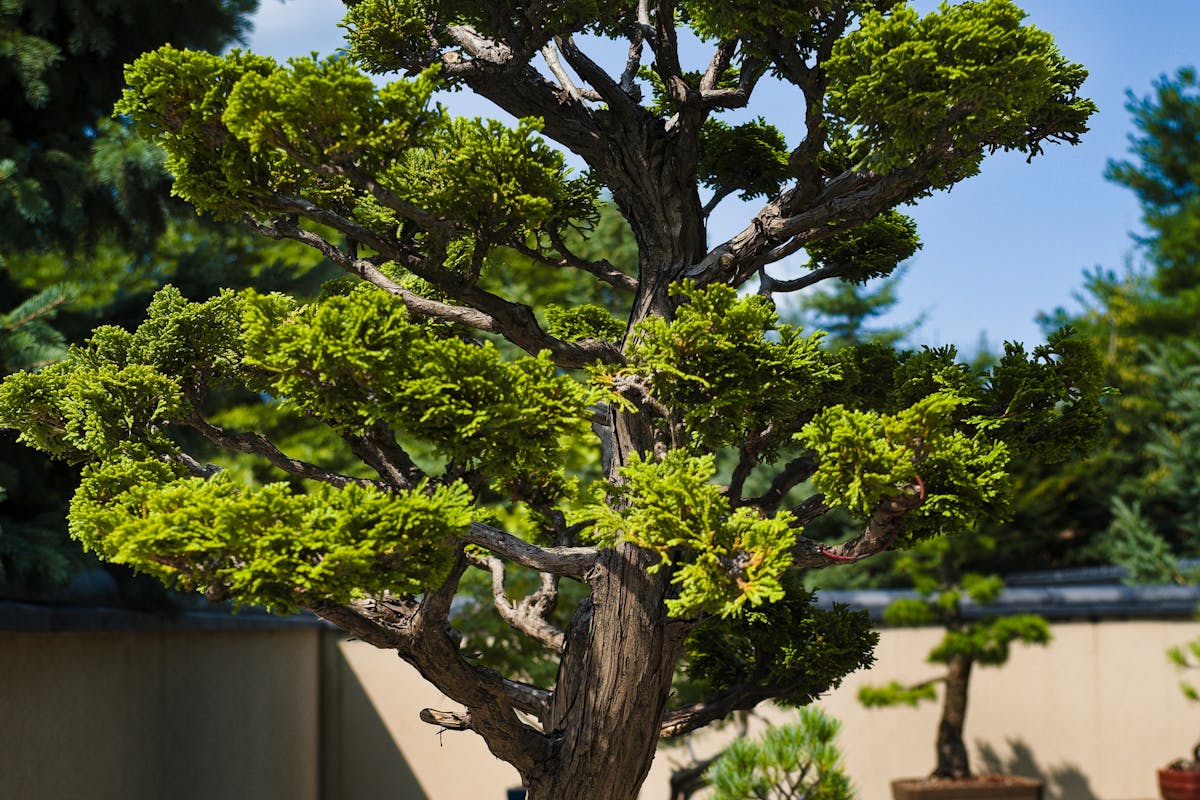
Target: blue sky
999, 247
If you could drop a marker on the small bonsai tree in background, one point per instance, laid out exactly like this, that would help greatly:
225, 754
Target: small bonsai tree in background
796, 761
1187, 658
938, 571
584, 450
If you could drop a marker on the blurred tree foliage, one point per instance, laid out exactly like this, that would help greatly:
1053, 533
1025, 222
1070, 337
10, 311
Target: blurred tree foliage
1134, 501
90, 227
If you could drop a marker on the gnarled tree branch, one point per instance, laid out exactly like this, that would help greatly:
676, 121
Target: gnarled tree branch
573, 561
527, 616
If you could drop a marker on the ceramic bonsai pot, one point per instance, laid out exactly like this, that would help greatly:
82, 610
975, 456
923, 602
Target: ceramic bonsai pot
1179, 784
980, 787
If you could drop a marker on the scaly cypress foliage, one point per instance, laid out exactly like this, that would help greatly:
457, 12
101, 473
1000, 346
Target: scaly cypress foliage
591, 457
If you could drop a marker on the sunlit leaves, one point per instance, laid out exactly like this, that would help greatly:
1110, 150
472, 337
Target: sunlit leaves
356, 359
268, 546
871, 250
723, 560
952, 85
731, 368
795, 760
244, 135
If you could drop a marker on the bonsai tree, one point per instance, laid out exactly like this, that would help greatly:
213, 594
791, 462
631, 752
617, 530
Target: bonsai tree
1187, 657
557, 446
937, 568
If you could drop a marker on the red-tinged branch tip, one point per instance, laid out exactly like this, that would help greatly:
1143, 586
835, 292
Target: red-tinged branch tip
828, 553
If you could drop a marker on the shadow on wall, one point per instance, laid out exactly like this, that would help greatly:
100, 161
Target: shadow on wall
361, 759
1063, 782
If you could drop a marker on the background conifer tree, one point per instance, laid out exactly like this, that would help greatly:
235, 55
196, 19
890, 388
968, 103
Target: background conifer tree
1134, 500
90, 228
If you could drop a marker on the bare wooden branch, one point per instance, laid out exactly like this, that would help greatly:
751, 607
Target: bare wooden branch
257, 444
768, 285
716, 199
574, 561
794, 473
666, 55
602, 269
377, 447
479, 46
447, 720
633, 62
195, 467
528, 698
527, 616
354, 621
435, 605
550, 53
809, 509
481, 310
693, 717
606, 88
738, 96
795, 218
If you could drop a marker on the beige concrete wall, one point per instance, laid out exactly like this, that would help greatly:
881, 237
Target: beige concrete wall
148, 716
1094, 714
445, 766
301, 715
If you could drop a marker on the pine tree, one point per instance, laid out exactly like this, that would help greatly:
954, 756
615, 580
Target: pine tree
589, 457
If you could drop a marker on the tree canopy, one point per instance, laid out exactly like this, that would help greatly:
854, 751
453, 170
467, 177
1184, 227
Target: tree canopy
665, 461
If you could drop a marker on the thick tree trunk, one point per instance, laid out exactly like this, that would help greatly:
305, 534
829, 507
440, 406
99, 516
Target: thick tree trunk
613, 684
952, 761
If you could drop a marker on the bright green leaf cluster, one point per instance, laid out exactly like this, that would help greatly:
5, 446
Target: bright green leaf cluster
122, 387
760, 25
240, 131
867, 456
750, 158
924, 415
895, 693
267, 546
352, 360
72, 412
1186, 657
871, 250
723, 560
587, 321
503, 183
799, 759
959, 81
732, 370
989, 641
382, 33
